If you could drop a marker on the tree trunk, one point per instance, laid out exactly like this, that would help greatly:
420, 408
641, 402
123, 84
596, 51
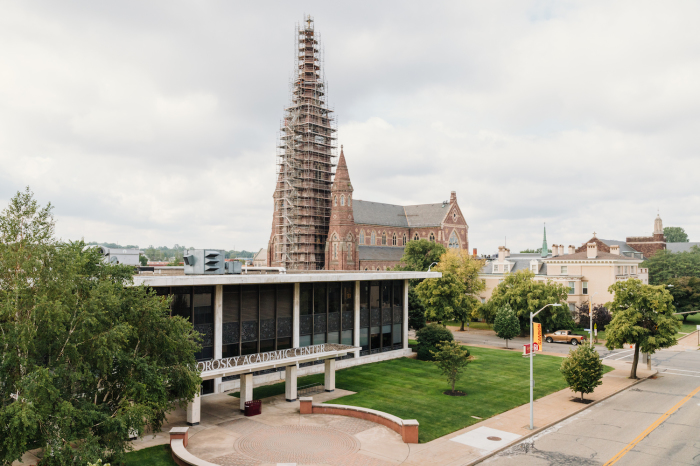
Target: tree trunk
633, 374
453, 386
506, 343
461, 329
581, 396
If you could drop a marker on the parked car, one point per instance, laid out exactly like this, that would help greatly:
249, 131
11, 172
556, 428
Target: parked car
564, 336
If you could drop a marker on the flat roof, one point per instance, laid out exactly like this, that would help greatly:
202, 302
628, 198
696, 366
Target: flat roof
250, 279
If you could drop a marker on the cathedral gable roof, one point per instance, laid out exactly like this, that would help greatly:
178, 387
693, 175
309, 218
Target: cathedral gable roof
380, 253
410, 216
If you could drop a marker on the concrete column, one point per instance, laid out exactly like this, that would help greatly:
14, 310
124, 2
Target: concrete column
290, 383
356, 319
329, 379
218, 329
246, 389
295, 317
194, 409
405, 314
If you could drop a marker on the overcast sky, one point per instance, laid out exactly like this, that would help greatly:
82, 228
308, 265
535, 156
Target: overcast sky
156, 122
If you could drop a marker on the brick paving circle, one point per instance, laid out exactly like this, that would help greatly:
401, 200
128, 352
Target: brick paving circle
298, 444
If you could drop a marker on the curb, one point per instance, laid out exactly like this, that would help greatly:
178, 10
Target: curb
540, 429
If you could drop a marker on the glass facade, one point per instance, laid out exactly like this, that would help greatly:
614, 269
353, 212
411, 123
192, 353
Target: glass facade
196, 304
326, 313
381, 316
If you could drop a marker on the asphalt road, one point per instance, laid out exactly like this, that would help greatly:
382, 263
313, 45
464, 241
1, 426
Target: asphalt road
600, 434
480, 337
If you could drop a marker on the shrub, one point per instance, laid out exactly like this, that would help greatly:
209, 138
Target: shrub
452, 359
416, 311
506, 325
582, 370
429, 337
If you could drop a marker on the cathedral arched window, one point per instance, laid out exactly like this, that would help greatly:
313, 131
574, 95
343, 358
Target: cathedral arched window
362, 236
335, 250
335, 200
432, 236
393, 240
416, 237
454, 241
349, 200
384, 238
349, 253
342, 199
377, 269
404, 240
374, 238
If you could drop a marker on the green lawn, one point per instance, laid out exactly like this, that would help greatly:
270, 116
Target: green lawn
472, 325
154, 456
495, 381
578, 331
690, 324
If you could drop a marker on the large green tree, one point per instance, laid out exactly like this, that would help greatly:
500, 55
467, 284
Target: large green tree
466, 269
665, 265
524, 294
642, 316
686, 295
417, 257
442, 297
86, 358
675, 235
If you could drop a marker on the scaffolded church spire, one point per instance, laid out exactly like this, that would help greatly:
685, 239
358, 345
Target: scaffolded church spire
545, 249
305, 163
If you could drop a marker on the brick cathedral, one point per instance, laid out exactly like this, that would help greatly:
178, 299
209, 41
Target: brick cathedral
316, 223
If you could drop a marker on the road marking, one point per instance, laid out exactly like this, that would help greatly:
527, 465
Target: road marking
649, 429
684, 375
679, 370
623, 357
617, 354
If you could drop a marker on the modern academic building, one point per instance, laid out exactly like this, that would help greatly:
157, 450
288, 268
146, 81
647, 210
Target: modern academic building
267, 324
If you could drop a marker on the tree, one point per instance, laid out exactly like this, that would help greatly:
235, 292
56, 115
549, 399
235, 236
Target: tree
582, 370
418, 255
429, 337
452, 359
441, 297
643, 316
416, 310
675, 235
533, 251
601, 316
506, 324
466, 269
524, 295
86, 359
686, 295
665, 265
143, 260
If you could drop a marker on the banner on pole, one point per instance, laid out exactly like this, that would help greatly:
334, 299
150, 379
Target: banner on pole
536, 336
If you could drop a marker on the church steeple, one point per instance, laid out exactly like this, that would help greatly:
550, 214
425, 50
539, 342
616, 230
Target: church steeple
341, 250
545, 249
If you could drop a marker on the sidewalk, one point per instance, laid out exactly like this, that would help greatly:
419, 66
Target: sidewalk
458, 449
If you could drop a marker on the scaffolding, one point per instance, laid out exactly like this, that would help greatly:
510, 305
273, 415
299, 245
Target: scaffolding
304, 163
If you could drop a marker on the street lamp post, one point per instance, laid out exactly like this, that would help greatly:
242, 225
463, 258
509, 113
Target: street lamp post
434, 263
532, 380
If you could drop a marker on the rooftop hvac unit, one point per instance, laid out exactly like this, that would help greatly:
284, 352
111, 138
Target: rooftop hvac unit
204, 261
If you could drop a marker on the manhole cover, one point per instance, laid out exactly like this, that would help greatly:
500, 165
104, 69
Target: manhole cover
495, 439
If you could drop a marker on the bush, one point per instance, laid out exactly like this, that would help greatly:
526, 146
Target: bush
429, 337
582, 370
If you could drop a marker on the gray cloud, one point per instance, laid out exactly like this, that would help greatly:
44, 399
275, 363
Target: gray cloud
156, 123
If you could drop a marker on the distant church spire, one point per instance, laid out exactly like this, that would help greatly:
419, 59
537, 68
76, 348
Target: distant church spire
545, 249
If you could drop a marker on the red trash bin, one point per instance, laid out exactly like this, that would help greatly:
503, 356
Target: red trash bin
252, 408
